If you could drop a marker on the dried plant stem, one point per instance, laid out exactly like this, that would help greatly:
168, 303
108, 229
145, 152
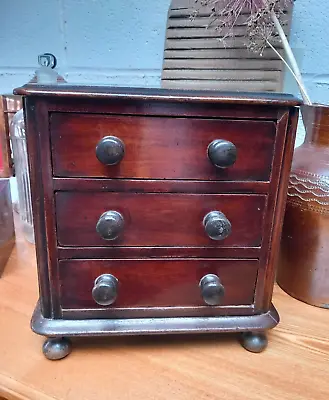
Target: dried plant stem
299, 83
291, 58
262, 25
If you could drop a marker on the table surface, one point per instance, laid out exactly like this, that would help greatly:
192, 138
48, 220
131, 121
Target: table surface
294, 366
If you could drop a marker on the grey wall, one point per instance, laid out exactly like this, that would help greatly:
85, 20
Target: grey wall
310, 38
121, 41
104, 41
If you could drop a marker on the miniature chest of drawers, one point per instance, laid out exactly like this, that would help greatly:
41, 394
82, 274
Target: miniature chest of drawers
156, 211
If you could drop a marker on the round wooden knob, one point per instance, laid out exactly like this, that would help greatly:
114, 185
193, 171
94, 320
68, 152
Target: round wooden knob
105, 290
217, 226
110, 150
212, 291
110, 225
222, 153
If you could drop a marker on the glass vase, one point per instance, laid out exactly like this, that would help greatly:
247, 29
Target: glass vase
19, 148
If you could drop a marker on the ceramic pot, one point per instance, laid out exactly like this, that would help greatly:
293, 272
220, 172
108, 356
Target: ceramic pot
303, 270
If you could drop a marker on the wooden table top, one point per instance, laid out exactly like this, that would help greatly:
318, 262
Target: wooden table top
294, 366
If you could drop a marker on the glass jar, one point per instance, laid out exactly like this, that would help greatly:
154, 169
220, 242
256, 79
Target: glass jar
18, 141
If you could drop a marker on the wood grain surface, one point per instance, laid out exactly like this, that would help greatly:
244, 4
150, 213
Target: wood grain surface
159, 219
295, 365
155, 283
159, 147
197, 57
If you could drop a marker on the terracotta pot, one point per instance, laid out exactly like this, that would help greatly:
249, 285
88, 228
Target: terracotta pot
304, 257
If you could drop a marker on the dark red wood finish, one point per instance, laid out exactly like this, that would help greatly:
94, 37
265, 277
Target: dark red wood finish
272, 226
280, 205
164, 107
157, 252
36, 118
160, 148
159, 186
157, 283
158, 219
63, 126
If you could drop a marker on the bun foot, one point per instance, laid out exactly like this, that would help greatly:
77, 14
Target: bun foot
254, 342
56, 348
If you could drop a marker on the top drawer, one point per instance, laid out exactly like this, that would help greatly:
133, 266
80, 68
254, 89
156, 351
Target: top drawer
160, 147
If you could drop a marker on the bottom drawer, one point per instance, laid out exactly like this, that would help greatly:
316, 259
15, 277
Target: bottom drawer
141, 287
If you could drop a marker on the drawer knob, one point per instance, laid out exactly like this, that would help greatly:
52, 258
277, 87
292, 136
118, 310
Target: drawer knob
110, 150
222, 153
217, 226
212, 291
110, 225
105, 290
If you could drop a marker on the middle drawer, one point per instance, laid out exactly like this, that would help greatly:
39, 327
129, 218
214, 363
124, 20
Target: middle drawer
153, 219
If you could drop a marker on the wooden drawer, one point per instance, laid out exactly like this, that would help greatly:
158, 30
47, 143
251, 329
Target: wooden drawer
160, 147
146, 283
152, 219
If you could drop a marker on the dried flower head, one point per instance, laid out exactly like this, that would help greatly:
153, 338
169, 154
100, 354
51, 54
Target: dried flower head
225, 14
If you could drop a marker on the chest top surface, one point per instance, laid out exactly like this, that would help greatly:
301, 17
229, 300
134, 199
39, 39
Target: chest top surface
110, 92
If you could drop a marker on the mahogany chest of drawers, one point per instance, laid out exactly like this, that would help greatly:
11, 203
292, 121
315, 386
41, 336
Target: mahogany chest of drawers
156, 211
